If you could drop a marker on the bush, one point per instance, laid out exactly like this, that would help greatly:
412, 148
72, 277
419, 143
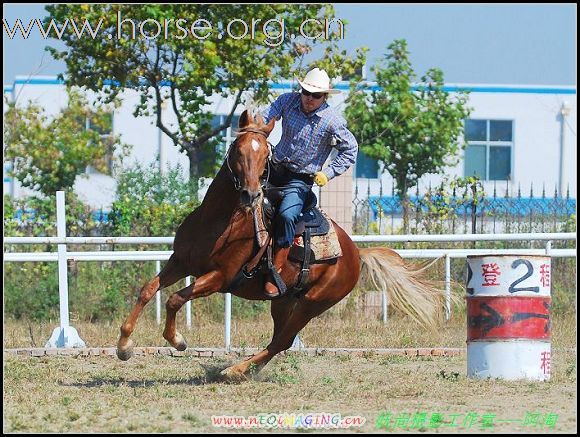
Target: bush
31, 290
150, 204
147, 204
35, 216
107, 290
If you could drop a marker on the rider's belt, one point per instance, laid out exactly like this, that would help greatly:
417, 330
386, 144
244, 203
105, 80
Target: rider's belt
304, 177
286, 173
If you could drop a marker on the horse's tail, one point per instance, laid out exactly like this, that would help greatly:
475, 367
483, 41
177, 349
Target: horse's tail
384, 269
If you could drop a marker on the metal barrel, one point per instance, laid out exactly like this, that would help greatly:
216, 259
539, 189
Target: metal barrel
508, 317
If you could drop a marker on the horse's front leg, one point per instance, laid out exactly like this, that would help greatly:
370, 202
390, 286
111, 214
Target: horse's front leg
171, 273
203, 286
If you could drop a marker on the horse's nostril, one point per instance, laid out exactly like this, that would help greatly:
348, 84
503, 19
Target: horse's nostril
245, 197
248, 197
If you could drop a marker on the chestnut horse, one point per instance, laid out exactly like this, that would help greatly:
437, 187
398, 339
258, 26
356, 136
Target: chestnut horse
218, 238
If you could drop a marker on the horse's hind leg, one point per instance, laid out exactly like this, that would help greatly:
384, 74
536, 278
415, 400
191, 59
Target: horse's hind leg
170, 274
289, 319
203, 286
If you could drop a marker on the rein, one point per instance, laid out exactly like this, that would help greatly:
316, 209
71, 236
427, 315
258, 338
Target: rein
251, 268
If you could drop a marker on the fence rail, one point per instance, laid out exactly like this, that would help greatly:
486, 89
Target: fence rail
163, 255
356, 238
66, 336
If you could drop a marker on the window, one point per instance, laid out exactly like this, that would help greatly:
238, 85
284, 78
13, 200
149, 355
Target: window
366, 167
229, 134
489, 149
211, 160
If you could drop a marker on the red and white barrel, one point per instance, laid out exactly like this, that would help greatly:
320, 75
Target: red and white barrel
508, 317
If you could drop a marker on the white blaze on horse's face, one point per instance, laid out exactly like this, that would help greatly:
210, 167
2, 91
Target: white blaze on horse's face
248, 164
255, 145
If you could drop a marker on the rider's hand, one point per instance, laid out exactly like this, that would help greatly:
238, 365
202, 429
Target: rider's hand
320, 178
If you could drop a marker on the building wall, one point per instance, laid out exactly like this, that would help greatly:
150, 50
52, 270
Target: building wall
536, 154
537, 135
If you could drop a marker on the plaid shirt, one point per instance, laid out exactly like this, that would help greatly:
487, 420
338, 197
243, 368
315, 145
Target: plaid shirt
307, 140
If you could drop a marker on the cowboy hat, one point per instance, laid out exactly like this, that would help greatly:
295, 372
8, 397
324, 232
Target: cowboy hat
317, 81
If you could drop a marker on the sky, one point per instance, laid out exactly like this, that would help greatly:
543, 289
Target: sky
517, 44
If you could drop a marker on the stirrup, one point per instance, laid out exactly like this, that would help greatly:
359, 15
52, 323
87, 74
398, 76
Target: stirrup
277, 279
279, 283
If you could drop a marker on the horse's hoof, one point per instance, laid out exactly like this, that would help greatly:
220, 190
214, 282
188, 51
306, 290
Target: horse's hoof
125, 353
179, 342
232, 375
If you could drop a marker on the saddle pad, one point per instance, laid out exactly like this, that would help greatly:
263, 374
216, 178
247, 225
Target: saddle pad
322, 247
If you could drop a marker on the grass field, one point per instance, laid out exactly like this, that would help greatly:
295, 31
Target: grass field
168, 394
181, 394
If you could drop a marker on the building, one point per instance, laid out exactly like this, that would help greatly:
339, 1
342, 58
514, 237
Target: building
518, 136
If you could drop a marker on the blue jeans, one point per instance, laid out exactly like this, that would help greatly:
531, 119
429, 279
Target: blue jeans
295, 192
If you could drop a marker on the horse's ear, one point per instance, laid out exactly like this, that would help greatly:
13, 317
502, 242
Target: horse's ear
245, 119
268, 127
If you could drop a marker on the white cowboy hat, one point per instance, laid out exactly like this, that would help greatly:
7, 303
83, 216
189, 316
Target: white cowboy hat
317, 81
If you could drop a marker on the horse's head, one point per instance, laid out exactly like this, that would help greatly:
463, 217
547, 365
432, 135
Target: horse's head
248, 156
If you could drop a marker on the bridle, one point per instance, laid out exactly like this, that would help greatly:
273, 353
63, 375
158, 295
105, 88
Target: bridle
236, 181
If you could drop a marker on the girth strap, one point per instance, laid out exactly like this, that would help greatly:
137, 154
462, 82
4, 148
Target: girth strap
305, 271
249, 270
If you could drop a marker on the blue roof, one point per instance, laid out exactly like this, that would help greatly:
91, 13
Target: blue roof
344, 86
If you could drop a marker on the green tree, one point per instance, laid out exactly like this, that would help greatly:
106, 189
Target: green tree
182, 71
413, 128
48, 153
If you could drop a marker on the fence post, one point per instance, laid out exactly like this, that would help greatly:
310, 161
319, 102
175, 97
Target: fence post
447, 286
474, 209
384, 304
297, 344
188, 305
158, 295
64, 335
228, 321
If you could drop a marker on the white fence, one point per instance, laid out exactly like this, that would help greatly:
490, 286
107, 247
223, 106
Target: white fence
66, 336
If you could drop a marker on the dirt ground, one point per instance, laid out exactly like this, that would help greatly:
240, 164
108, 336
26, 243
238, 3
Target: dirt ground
181, 394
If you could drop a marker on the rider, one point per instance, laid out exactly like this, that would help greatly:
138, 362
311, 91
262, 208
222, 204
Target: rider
310, 130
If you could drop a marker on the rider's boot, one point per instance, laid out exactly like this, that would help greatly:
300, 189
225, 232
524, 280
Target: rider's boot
280, 258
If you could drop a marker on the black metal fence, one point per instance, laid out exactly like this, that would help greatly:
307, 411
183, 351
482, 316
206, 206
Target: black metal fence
462, 210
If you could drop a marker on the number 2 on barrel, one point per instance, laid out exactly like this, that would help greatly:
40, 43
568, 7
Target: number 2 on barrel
515, 264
